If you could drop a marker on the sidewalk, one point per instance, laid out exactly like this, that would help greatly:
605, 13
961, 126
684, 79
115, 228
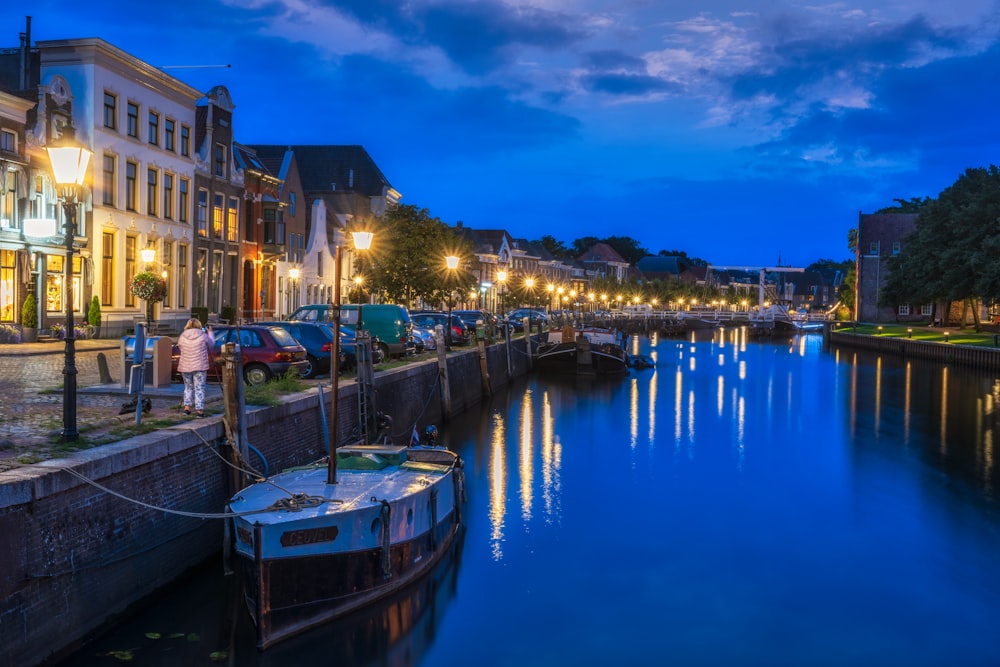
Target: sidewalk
31, 380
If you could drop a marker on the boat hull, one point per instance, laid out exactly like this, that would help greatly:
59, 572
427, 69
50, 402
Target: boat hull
359, 541
570, 358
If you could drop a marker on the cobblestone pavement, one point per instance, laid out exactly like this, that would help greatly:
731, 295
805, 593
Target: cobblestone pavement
31, 400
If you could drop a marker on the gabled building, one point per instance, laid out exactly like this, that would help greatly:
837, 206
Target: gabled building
880, 236
353, 190
262, 241
603, 261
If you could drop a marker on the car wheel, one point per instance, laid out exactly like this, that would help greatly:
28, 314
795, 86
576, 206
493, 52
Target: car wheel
256, 374
312, 367
383, 353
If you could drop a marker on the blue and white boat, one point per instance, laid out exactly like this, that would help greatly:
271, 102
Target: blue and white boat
311, 551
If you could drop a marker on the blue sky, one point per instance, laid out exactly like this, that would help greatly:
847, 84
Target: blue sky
738, 132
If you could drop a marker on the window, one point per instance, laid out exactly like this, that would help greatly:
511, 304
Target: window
202, 220
8, 264
185, 140
7, 204
927, 309
895, 247
217, 212
152, 191
904, 309
182, 275
8, 141
168, 196
168, 134
131, 186
133, 120
107, 268
183, 203
109, 180
154, 128
110, 111
232, 219
168, 251
291, 204
873, 248
131, 243
220, 160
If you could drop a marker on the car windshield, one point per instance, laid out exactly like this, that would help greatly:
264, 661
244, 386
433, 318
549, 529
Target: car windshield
282, 338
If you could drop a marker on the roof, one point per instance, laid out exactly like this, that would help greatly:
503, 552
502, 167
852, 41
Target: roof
601, 252
326, 169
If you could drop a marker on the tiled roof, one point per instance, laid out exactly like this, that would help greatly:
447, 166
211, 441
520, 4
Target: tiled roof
325, 169
601, 252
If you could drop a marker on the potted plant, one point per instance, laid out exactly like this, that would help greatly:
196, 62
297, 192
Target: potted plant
151, 288
228, 315
94, 316
29, 319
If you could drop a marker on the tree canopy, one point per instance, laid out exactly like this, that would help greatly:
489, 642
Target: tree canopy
954, 251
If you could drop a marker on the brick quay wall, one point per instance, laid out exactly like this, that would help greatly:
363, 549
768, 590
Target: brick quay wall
74, 556
984, 358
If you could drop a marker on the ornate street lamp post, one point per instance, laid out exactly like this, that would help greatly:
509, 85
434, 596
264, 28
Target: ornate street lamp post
502, 279
451, 261
69, 169
362, 243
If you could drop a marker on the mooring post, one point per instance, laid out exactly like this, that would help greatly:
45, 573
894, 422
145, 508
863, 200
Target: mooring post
484, 371
102, 368
443, 372
233, 416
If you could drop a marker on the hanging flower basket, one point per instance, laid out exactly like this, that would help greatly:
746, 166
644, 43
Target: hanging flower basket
148, 286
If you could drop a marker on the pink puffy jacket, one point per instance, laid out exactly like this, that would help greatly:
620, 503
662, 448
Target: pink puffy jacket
195, 345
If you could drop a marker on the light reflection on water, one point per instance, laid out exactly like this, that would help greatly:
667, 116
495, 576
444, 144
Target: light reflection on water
741, 503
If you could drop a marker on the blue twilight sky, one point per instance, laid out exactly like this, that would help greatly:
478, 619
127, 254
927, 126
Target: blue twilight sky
738, 132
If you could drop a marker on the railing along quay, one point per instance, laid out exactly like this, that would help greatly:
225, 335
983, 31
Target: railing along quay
984, 358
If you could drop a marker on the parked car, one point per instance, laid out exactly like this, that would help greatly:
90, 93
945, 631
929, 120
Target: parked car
390, 323
514, 318
266, 352
457, 334
317, 338
424, 339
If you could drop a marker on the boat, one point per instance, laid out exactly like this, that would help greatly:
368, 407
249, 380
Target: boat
310, 552
584, 351
699, 320
776, 319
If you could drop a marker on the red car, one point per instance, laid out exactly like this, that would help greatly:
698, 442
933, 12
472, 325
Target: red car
266, 352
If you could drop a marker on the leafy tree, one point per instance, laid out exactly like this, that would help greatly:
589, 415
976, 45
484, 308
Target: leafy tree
583, 244
954, 250
692, 261
406, 261
912, 205
556, 247
626, 246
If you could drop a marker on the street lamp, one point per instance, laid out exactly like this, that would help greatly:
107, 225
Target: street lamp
362, 242
293, 278
529, 284
502, 279
550, 288
451, 261
69, 169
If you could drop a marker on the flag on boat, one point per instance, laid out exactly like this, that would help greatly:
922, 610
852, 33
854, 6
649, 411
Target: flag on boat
415, 438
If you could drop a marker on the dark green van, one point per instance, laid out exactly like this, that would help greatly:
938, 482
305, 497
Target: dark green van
390, 323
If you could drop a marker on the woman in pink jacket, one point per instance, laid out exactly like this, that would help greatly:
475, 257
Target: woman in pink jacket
196, 347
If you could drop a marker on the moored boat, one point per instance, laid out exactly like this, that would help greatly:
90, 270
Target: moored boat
310, 551
586, 351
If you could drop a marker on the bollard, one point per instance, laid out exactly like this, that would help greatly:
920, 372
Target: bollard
102, 367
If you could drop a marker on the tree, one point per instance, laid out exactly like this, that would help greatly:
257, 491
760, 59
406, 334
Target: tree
406, 261
911, 205
583, 244
953, 252
691, 261
626, 246
554, 246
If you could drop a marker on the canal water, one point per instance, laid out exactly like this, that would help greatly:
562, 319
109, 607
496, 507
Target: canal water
741, 503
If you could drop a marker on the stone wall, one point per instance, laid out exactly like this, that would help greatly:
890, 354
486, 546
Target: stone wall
75, 555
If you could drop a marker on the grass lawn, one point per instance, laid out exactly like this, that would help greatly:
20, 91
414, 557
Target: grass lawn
952, 335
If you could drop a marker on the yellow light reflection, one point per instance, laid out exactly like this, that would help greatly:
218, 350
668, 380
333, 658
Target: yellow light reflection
944, 410
678, 402
526, 452
498, 485
633, 412
907, 395
691, 396
878, 394
551, 461
720, 394
652, 405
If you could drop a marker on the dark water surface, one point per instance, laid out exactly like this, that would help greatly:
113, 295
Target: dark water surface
740, 504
